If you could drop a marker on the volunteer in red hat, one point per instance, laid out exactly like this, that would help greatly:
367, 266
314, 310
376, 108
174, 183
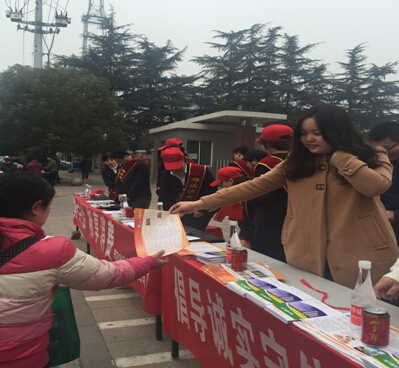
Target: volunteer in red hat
171, 142
239, 153
227, 177
183, 181
269, 210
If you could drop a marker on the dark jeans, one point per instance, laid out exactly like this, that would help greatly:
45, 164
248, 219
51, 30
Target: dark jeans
57, 177
267, 240
51, 178
85, 174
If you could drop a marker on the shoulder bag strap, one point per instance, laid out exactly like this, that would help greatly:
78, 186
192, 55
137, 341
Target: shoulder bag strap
17, 248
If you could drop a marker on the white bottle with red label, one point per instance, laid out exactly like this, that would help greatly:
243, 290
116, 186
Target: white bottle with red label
363, 296
233, 242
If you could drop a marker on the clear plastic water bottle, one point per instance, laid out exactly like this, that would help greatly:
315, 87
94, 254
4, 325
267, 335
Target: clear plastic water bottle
363, 296
124, 204
87, 191
160, 206
234, 241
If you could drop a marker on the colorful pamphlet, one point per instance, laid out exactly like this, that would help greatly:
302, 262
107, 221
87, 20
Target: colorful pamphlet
156, 230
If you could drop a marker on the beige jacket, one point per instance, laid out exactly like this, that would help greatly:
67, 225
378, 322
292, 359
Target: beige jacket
328, 219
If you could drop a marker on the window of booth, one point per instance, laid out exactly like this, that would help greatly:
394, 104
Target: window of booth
200, 152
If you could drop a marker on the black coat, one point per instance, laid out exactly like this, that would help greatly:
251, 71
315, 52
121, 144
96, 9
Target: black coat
136, 184
171, 189
269, 210
109, 176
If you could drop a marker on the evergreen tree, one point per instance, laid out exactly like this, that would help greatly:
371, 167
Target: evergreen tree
381, 96
351, 83
269, 61
295, 70
57, 109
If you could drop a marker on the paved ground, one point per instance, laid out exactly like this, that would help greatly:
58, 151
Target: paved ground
113, 328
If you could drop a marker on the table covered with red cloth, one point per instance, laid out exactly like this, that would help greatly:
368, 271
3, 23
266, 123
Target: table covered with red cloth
223, 329
113, 241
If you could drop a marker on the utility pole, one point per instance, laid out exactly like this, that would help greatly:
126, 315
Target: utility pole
36, 27
95, 15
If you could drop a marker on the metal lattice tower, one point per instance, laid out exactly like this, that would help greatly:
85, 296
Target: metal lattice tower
38, 27
95, 15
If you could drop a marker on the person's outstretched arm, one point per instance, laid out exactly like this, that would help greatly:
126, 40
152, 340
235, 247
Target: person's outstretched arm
388, 286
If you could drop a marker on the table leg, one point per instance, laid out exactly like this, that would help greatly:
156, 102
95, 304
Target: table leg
88, 248
158, 327
175, 349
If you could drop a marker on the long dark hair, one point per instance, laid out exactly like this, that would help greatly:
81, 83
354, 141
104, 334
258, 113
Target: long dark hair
19, 191
338, 130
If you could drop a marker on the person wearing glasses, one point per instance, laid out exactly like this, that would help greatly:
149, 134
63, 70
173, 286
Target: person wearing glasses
387, 135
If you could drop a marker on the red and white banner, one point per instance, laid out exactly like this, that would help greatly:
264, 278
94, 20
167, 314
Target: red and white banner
113, 241
223, 329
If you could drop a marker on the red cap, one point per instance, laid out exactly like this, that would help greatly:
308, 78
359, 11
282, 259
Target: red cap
274, 132
171, 142
173, 158
226, 173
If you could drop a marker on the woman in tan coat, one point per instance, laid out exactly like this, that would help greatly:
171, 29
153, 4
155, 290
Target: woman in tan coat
334, 217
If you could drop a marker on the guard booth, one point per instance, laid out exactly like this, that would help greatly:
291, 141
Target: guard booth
210, 139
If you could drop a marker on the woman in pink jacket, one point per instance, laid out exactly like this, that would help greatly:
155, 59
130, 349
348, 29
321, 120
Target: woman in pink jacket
29, 281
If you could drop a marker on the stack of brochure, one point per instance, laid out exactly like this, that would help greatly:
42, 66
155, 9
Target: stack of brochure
211, 257
224, 274
287, 303
336, 333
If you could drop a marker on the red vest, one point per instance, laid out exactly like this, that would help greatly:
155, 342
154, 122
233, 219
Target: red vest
196, 174
270, 162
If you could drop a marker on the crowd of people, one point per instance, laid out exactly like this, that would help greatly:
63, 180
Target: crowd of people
320, 197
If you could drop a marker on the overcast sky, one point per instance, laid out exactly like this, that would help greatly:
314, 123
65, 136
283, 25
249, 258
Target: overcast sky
338, 25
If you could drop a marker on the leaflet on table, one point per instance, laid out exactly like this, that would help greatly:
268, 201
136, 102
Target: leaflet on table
202, 247
225, 274
101, 203
211, 257
337, 334
297, 310
156, 230
218, 272
255, 270
267, 291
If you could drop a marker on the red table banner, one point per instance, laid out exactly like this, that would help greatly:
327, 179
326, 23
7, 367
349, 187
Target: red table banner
223, 329
111, 240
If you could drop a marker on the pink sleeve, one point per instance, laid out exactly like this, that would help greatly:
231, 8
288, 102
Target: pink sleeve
131, 269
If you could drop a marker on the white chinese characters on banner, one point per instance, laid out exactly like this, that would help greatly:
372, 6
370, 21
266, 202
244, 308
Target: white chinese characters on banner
243, 327
90, 221
103, 233
96, 227
281, 351
198, 317
304, 361
219, 326
110, 239
180, 294
79, 214
144, 279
